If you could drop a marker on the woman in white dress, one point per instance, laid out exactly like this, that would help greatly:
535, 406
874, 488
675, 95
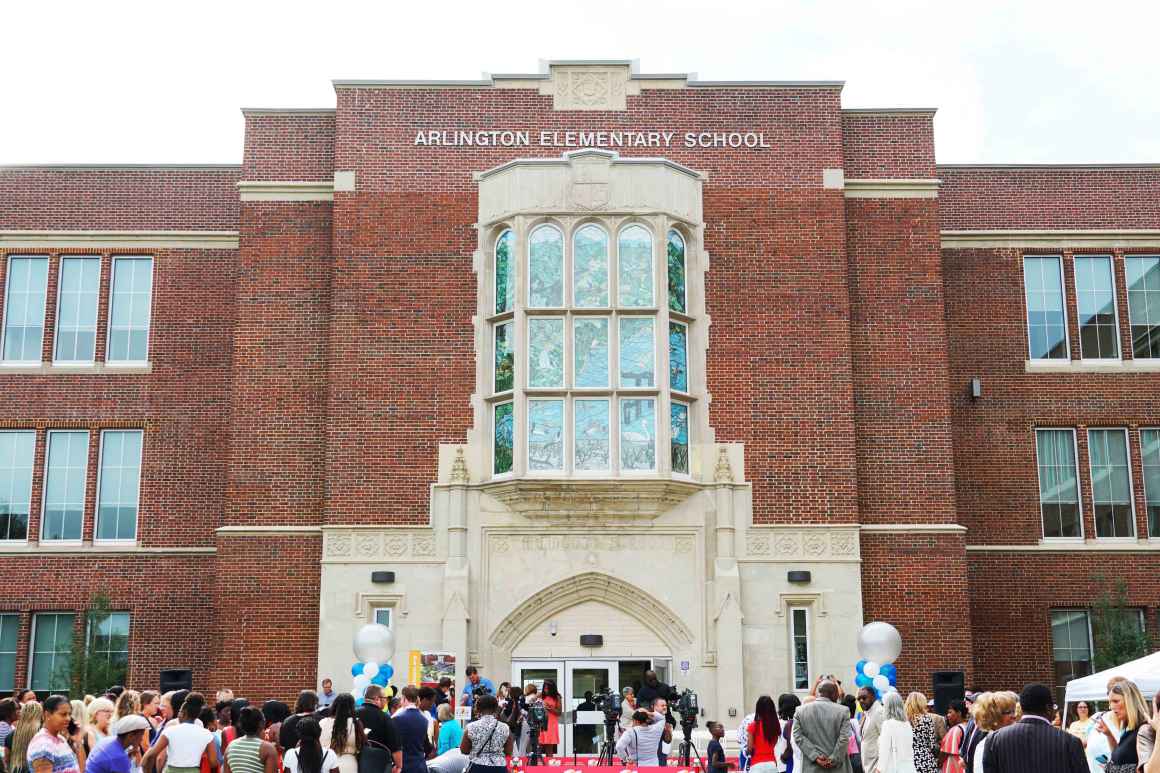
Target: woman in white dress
896, 739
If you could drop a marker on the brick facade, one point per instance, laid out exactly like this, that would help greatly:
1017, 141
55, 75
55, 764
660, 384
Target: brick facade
307, 377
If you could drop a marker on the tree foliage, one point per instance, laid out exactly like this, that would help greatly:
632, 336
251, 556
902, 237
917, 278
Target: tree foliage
1116, 628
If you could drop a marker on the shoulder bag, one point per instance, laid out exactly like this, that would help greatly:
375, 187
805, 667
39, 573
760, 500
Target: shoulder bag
482, 749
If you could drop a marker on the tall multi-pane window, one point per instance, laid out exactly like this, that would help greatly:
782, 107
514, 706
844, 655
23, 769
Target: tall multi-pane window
76, 309
1095, 300
1111, 483
26, 290
52, 641
1058, 483
118, 486
9, 631
1046, 317
799, 633
1150, 455
1142, 274
129, 309
108, 644
17, 449
1071, 646
64, 485
676, 272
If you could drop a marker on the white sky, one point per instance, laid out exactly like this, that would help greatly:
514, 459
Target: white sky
1014, 81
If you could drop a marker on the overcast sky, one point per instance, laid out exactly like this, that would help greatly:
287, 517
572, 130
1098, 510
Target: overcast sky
118, 82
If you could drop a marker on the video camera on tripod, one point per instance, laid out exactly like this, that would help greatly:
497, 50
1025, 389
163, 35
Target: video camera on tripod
686, 708
607, 702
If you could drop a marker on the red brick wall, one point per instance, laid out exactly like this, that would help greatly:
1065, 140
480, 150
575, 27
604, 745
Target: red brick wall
288, 146
989, 197
877, 145
48, 198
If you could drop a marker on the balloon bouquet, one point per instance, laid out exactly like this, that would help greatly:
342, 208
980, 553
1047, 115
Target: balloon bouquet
879, 644
374, 644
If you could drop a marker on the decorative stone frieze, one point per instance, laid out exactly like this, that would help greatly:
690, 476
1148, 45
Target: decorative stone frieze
580, 501
787, 543
356, 545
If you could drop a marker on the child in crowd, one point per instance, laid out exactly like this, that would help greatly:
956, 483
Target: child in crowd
717, 762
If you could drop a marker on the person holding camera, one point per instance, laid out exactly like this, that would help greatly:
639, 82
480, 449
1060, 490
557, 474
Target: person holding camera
641, 744
475, 687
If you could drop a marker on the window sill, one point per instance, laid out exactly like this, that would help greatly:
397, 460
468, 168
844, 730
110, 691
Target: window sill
607, 499
74, 369
1091, 366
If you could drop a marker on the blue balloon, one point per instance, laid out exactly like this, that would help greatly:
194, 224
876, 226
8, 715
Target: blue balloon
888, 670
356, 669
893, 680
860, 667
358, 702
380, 679
863, 681
386, 670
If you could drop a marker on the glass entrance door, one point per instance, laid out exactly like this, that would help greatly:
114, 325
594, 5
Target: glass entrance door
583, 679
525, 672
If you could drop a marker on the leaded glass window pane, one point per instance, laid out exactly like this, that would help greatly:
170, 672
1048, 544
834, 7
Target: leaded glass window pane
1046, 320
9, 630
635, 275
1058, 483
24, 308
1099, 334
592, 435
676, 255
546, 268
590, 267
505, 285
503, 438
546, 435
505, 359
637, 352
1150, 444
680, 437
129, 309
76, 316
546, 352
16, 457
120, 483
1111, 486
64, 486
678, 357
638, 434
590, 351
52, 639
1142, 274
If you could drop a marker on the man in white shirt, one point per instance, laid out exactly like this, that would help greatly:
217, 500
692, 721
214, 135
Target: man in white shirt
870, 727
639, 745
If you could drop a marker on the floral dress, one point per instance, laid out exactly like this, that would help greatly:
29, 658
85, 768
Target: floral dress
924, 745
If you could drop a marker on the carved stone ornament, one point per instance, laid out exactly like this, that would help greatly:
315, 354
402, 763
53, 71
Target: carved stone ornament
797, 544
590, 88
459, 468
371, 545
723, 472
599, 501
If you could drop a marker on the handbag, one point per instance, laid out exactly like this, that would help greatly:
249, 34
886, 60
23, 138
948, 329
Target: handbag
483, 748
375, 758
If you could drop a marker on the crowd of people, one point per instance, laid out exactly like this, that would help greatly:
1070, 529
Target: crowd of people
415, 730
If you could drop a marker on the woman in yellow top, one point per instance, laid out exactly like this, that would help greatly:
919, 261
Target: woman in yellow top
1083, 722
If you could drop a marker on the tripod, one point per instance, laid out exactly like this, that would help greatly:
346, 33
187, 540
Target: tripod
608, 747
687, 752
534, 757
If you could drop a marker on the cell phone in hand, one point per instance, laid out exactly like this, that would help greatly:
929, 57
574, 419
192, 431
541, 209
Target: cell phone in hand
1102, 759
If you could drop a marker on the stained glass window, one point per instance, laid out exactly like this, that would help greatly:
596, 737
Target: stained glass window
638, 434
545, 435
637, 352
635, 274
590, 351
679, 439
592, 435
505, 360
546, 352
678, 357
546, 268
590, 267
676, 252
504, 435
505, 285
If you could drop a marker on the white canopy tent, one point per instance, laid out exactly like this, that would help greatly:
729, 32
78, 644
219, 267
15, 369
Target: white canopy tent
1145, 672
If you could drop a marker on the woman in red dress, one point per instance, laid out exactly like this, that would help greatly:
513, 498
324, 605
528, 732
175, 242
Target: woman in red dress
550, 736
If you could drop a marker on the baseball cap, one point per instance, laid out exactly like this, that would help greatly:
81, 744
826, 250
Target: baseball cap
130, 724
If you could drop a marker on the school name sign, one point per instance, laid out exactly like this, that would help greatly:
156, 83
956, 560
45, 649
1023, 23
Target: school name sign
557, 138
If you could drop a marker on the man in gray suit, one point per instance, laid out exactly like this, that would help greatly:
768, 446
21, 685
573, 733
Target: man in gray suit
822, 731
870, 728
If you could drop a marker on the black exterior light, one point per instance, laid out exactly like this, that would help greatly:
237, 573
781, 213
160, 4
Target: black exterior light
799, 577
382, 578
591, 640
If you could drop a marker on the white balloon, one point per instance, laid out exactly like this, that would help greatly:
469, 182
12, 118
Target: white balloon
370, 670
374, 643
361, 681
879, 642
881, 683
871, 669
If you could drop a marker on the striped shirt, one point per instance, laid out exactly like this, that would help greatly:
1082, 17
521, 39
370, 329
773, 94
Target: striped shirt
244, 755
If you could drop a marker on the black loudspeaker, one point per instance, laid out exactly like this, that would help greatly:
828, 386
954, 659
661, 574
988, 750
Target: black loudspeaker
948, 686
176, 679
591, 640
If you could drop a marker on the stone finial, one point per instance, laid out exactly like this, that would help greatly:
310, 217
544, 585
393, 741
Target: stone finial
722, 473
459, 468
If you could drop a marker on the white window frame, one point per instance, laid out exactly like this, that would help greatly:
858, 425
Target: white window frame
1087, 615
1026, 310
656, 468
1128, 297
59, 295
24, 541
140, 485
4, 318
1039, 488
109, 324
90, 651
32, 643
1115, 308
1144, 479
793, 649
389, 609
44, 485
1131, 484
11, 617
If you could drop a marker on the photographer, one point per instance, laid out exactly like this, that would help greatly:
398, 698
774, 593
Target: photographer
640, 745
476, 686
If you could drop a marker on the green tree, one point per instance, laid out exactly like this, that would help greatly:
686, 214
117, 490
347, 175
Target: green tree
1116, 628
97, 660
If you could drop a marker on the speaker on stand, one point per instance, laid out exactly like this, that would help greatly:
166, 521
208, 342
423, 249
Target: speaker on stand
176, 679
948, 686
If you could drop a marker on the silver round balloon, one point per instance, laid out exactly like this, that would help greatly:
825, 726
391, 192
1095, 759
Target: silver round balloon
879, 642
374, 643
